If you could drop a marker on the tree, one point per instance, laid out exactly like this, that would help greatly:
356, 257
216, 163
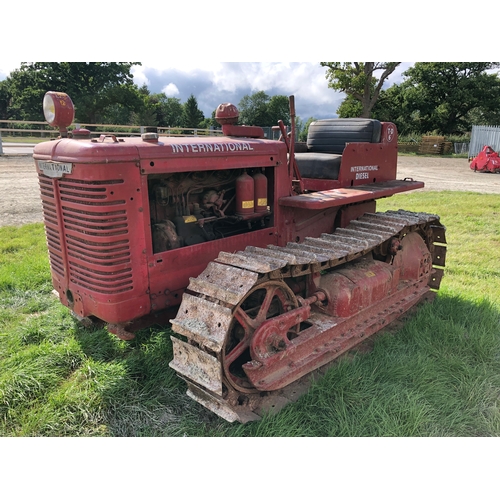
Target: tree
264, 111
357, 80
210, 122
5, 99
350, 107
446, 96
278, 109
191, 115
392, 106
93, 87
303, 128
479, 116
147, 113
169, 110
254, 109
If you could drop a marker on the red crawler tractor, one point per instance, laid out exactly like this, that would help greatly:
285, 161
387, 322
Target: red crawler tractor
269, 262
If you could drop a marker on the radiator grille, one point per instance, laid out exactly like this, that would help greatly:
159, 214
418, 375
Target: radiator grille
52, 231
96, 233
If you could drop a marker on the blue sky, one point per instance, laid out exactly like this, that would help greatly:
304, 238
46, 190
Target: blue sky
215, 82
179, 44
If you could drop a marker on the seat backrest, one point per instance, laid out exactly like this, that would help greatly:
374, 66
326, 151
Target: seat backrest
331, 135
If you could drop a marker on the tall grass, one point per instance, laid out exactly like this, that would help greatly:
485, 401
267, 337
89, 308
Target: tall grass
436, 375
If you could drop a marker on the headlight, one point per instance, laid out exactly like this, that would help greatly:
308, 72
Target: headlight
58, 109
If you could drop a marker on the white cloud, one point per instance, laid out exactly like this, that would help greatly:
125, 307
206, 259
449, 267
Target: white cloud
255, 75
182, 64
139, 77
7, 67
215, 82
170, 90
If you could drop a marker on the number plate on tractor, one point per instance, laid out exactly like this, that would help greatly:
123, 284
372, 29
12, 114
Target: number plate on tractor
55, 169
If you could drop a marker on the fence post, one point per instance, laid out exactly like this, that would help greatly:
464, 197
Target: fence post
1, 148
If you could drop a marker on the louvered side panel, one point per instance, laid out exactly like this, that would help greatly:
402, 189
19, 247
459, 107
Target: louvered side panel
97, 235
52, 229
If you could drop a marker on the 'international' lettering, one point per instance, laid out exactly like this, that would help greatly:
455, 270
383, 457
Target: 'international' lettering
364, 168
220, 147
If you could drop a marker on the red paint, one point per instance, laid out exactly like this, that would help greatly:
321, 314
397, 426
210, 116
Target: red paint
245, 195
260, 192
486, 161
63, 108
360, 300
98, 219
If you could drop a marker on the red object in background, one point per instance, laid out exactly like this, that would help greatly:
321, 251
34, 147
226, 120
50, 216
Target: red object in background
486, 161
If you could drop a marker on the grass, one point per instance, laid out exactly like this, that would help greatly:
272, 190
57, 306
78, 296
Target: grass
27, 139
438, 375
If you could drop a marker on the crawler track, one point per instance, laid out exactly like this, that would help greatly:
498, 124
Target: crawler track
209, 308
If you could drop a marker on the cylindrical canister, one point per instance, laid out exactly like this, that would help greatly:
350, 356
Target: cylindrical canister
260, 195
244, 195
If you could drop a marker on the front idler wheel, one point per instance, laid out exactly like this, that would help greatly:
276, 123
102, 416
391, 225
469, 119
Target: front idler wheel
263, 302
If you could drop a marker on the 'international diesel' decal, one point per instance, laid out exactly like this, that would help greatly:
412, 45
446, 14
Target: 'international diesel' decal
362, 171
222, 147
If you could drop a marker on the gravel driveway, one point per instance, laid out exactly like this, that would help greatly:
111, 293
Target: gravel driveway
20, 202
447, 174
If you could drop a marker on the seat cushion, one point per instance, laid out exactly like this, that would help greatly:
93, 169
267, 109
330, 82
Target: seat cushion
331, 135
318, 165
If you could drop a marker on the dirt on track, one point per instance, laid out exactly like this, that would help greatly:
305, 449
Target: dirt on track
20, 198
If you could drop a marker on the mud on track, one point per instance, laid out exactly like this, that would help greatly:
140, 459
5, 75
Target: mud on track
20, 199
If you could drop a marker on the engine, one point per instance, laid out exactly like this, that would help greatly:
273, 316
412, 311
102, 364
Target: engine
195, 207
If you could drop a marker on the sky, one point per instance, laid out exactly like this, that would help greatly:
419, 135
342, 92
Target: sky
180, 44
213, 83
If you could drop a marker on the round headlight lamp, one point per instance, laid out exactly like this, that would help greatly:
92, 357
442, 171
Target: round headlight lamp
58, 110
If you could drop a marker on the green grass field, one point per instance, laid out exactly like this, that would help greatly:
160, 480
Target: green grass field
27, 139
438, 375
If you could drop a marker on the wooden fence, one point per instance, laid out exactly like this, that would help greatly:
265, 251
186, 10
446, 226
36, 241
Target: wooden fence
21, 128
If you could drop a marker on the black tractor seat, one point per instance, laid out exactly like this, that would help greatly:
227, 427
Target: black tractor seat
321, 156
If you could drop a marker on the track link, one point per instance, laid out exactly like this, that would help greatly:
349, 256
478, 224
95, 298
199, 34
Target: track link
207, 309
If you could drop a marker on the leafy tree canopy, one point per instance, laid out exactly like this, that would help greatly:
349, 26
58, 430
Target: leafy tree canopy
210, 122
279, 109
92, 86
350, 107
303, 128
169, 110
5, 99
441, 95
358, 81
262, 110
158, 110
436, 97
253, 109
